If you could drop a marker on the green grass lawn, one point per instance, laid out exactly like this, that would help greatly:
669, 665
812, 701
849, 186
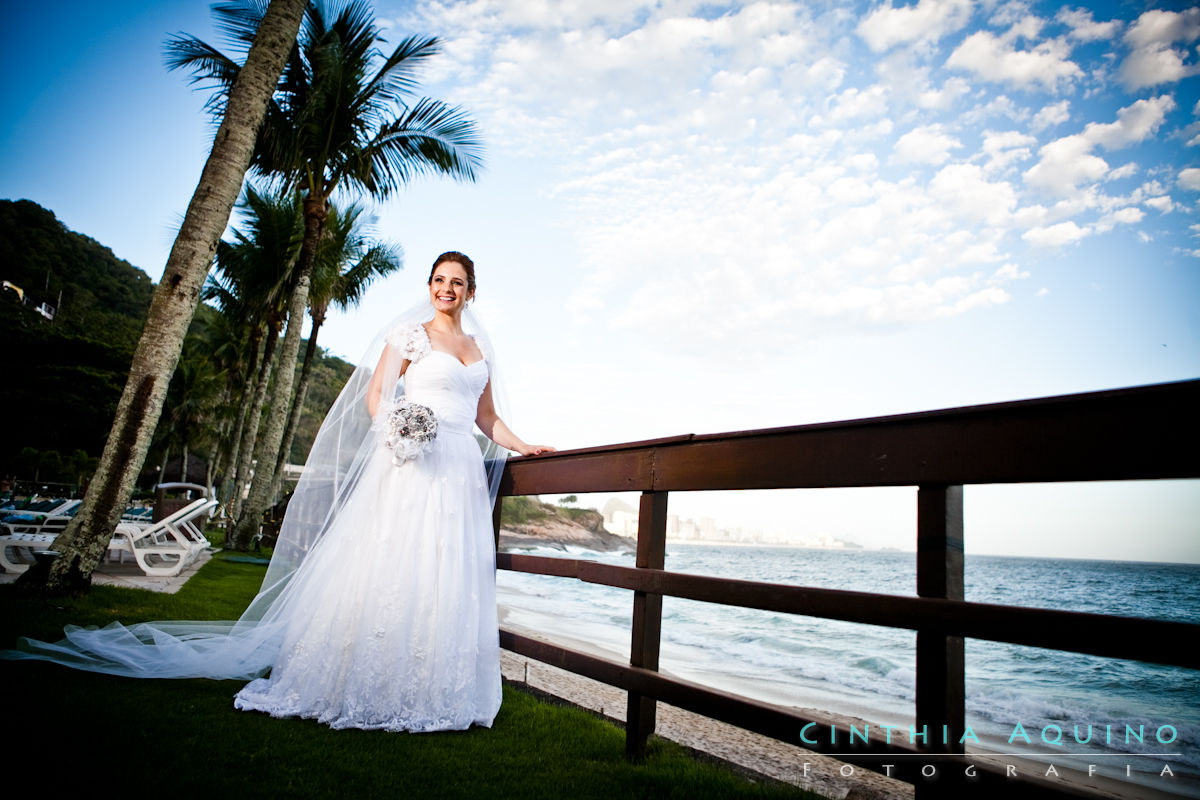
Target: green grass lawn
72, 730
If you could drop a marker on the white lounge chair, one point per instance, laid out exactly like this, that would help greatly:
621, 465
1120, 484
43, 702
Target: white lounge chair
166, 547
137, 514
19, 540
22, 544
163, 548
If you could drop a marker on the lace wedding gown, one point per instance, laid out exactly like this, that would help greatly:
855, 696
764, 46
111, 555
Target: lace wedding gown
394, 625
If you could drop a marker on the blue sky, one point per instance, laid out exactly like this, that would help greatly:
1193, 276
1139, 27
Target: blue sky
700, 217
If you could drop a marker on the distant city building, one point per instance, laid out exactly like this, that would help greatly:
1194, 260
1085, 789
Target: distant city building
620, 517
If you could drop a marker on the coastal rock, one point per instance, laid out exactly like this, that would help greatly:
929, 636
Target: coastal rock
543, 525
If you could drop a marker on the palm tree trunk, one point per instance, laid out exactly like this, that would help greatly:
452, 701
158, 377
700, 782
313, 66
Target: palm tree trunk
229, 460
161, 477
289, 435
249, 439
208, 477
84, 542
260, 497
183, 467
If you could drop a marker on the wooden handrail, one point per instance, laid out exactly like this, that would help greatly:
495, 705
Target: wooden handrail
1147, 432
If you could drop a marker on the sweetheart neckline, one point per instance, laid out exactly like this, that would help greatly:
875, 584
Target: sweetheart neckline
432, 349
455, 358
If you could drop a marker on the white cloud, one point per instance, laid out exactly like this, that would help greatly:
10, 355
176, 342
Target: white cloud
1134, 123
1152, 59
1162, 203
928, 144
1009, 272
1190, 179
1127, 216
964, 190
1124, 171
824, 73
1066, 163
853, 103
925, 22
996, 58
1051, 115
1054, 235
862, 162
947, 297
1084, 27
1006, 147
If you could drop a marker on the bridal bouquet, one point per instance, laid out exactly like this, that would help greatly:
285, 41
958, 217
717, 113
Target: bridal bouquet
410, 429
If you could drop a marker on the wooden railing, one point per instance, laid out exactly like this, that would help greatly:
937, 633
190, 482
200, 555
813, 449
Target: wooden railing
1141, 433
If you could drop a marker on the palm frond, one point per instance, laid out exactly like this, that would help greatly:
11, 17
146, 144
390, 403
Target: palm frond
397, 77
210, 68
378, 262
431, 138
257, 265
239, 19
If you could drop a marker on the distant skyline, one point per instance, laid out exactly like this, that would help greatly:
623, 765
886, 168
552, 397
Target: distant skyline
701, 217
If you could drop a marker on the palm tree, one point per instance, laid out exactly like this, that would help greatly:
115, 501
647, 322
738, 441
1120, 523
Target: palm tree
347, 263
239, 340
256, 272
192, 400
220, 340
84, 542
340, 120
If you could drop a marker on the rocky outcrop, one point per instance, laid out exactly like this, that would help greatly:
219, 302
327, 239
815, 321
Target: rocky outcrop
558, 528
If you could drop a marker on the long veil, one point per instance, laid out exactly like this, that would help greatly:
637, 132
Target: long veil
247, 647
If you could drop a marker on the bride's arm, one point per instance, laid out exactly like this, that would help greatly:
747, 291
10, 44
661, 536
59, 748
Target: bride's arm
375, 387
494, 428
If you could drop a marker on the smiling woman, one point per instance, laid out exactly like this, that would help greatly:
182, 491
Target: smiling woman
379, 608
392, 621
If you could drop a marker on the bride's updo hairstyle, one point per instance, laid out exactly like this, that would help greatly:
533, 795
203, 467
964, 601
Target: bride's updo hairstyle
458, 258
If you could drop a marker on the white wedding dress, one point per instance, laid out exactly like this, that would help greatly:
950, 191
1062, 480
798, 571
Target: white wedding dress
393, 621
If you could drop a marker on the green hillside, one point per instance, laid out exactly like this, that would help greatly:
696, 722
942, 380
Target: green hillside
62, 378
100, 293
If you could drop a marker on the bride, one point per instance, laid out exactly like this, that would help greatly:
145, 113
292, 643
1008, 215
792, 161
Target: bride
378, 610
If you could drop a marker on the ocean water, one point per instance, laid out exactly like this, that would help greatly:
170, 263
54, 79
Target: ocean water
868, 671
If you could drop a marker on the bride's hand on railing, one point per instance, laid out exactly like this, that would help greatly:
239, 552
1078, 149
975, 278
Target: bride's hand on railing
535, 449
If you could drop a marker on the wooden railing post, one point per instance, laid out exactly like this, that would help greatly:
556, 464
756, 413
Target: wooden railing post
497, 513
941, 691
647, 618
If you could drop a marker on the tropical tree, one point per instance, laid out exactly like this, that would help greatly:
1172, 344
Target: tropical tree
84, 542
192, 403
347, 262
223, 336
255, 278
341, 119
